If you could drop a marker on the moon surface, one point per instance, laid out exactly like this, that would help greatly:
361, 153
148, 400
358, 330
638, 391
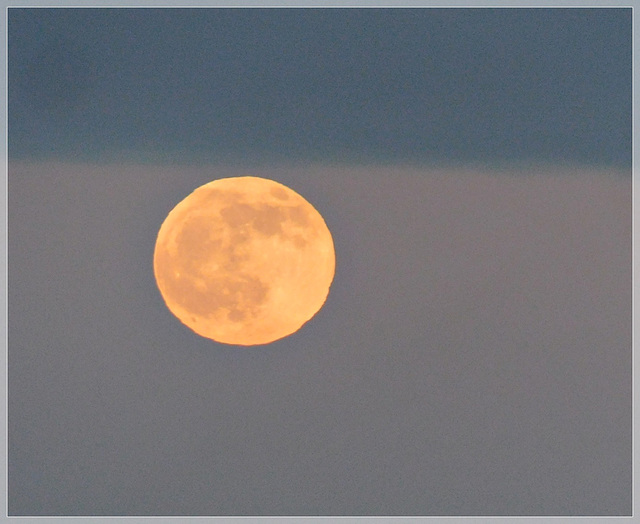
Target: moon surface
244, 261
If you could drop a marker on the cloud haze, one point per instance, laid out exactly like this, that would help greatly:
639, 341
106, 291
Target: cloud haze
473, 356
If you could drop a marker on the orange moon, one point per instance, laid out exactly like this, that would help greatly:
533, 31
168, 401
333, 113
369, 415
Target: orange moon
244, 261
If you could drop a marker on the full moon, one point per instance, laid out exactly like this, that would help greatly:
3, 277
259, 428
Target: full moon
244, 261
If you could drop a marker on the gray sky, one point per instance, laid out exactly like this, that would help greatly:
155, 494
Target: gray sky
356, 85
474, 354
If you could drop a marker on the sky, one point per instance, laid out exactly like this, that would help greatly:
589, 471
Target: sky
354, 85
474, 353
